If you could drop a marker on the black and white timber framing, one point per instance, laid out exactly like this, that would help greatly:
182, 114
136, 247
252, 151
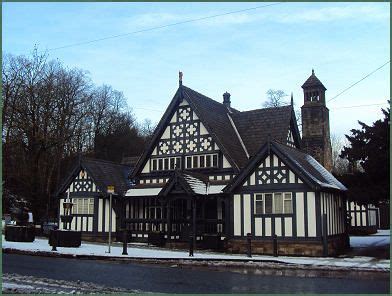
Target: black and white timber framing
213, 170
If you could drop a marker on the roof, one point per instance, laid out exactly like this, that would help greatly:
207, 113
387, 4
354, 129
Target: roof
257, 126
103, 173
301, 163
313, 81
192, 183
312, 168
216, 117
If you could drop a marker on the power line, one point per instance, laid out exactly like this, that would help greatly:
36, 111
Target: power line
363, 78
164, 26
357, 106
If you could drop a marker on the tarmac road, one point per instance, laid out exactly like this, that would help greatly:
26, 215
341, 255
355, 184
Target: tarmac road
159, 278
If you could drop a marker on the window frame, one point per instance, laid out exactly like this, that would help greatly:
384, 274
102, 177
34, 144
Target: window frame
286, 196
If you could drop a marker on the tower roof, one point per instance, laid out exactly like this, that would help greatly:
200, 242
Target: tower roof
313, 81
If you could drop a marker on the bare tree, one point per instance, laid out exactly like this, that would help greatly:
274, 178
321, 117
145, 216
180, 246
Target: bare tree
275, 98
340, 165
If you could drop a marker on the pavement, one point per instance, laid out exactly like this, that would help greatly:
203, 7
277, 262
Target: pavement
145, 253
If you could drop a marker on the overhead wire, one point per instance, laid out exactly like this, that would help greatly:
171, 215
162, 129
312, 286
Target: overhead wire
363, 78
164, 26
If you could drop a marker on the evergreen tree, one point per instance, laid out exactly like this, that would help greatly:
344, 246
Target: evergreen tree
368, 154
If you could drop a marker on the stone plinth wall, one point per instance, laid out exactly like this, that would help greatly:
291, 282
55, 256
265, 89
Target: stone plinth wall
336, 245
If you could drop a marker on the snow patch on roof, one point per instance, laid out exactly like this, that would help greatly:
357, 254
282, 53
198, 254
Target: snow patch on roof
332, 181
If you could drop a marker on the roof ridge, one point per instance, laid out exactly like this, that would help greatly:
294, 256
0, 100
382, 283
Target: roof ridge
103, 160
267, 108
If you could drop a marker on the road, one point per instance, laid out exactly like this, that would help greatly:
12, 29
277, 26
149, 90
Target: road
159, 278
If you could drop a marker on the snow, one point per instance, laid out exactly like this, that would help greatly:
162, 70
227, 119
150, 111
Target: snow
381, 238
143, 192
146, 252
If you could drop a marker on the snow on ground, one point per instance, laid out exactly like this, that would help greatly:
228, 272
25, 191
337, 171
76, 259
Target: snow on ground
144, 251
16, 283
379, 239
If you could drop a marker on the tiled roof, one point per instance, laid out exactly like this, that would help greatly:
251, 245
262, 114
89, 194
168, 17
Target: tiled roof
313, 169
215, 116
256, 126
105, 173
313, 81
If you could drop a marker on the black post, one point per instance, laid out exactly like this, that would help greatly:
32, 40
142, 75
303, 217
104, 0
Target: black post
125, 242
325, 236
275, 243
249, 244
194, 222
191, 244
168, 222
54, 240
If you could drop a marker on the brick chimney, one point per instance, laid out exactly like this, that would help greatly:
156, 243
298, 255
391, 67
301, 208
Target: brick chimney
226, 100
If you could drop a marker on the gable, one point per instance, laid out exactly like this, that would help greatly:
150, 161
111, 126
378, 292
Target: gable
185, 139
82, 183
271, 170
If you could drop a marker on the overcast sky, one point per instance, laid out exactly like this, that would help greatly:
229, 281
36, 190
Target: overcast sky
245, 53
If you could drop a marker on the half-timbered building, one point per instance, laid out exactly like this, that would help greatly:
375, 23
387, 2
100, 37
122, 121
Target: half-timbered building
218, 176
86, 187
363, 218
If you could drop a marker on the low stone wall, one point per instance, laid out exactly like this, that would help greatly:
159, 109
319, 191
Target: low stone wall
336, 246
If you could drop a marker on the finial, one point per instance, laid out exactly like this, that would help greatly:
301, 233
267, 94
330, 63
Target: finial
312, 71
180, 77
292, 100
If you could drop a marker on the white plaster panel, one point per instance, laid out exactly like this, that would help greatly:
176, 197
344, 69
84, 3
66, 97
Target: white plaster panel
100, 211
267, 162
253, 179
237, 214
268, 226
247, 214
203, 130
226, 163
291, 177
300, 214
146, 168
258, 227
278, 227
166, 133
288, 226
275, 160
311, 213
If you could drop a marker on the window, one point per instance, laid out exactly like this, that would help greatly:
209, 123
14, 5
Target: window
215, 161
83, 206
278, 203
268, 203
259, 204
208, 161
201, 161
168, 163
172, 163
273, 203
202, 157
288, 203
195, 162
189, 162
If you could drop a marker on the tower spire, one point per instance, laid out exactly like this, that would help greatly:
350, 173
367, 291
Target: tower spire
292, 100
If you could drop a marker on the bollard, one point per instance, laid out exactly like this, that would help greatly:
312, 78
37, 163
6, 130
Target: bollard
125, 242
191, 244
249, 244
54, 240
275, 243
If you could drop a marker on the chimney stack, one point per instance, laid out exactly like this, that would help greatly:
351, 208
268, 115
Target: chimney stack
226, 99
